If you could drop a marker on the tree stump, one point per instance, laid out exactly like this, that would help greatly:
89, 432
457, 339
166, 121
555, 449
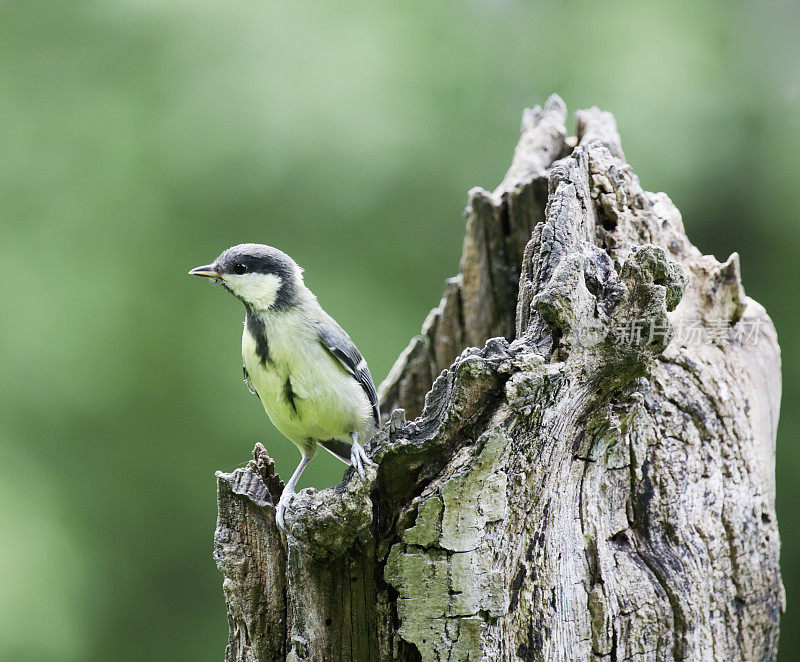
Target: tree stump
577, 461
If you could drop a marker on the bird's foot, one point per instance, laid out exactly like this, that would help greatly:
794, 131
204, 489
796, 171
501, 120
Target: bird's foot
358, 458
283, 504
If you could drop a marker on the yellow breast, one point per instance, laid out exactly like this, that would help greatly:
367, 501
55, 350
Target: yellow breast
306, 393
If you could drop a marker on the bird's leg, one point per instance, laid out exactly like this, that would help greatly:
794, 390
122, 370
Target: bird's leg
358, 457
288, 493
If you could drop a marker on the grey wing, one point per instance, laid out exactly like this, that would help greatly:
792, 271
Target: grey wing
338, 343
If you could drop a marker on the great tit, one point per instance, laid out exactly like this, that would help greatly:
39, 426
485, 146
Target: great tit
312, 380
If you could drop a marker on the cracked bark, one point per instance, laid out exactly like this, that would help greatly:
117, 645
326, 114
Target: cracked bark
578, 461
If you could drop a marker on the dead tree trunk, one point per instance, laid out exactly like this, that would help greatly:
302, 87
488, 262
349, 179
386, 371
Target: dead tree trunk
578, 461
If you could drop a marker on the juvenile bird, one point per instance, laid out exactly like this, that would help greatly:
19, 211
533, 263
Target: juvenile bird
312, 380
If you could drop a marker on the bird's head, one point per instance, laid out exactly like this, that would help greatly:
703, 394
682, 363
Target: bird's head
263, 277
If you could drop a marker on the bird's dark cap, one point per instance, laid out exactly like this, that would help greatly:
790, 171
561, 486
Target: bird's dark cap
255, 258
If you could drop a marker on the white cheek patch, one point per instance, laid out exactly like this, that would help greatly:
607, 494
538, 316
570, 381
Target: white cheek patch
257, 289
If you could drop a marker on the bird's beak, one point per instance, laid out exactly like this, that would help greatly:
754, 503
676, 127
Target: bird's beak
209, 271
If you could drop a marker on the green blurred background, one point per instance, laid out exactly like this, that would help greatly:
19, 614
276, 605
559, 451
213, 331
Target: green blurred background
138, 138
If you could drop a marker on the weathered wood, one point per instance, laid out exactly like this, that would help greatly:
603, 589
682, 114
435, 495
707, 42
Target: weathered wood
589, 472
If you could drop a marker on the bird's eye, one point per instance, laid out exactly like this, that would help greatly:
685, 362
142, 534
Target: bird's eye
239, 268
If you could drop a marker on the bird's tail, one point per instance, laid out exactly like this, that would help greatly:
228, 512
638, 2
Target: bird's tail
338, 448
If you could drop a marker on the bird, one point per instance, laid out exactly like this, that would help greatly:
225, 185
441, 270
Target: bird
313, 382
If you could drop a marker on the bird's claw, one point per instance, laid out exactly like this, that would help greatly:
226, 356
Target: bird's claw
283, 504
358, 458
